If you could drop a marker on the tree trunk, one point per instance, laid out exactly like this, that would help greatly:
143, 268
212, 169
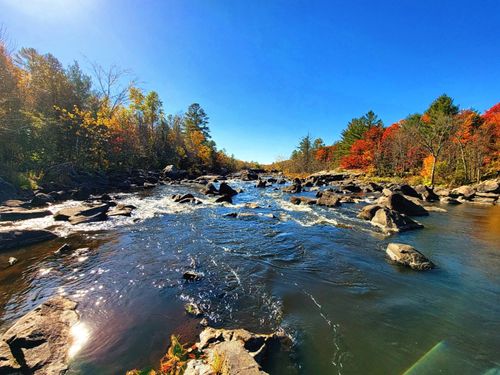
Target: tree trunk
433, 171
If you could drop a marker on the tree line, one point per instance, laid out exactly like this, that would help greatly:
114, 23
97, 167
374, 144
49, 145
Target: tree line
51, 114
444, 144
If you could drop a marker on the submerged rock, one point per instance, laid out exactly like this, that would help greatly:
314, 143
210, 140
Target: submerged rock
193, 309
25, 237
39, 342
192, 276
224, 199
12, 261
392, 221
408, 256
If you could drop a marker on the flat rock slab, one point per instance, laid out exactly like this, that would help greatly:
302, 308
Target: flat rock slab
16, 238
14, 214
39, 342
83, 214
408, 256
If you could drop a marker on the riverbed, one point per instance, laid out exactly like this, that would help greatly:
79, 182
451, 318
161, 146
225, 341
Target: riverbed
318, 273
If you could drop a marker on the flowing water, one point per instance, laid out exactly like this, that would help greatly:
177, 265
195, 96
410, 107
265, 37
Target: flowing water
320, 274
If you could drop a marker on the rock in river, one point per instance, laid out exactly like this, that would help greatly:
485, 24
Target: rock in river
399, 203
408, 256
392, 221
240, 350
16, 238
14, 214
39, 342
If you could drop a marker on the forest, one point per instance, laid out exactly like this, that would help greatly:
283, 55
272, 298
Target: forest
51, 114
442, 145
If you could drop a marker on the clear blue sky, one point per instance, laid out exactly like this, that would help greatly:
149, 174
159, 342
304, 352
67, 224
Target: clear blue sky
268, 72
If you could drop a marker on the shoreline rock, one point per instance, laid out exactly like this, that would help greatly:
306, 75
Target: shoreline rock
11, 239
39, 342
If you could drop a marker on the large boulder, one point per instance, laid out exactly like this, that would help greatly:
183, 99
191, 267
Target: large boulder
489, 186
225, 189
328, 199
399, 203
408, 256
14, 214
408, 190
467, 192
248, 175
210, 189
39, 343
240, 351
10, 239
392, 221
261, 184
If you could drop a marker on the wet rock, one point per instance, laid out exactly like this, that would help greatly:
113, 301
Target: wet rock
426, 193
225, 189
328, 199
240, 350
82, 193
66, 213
12, 261
252, 205
210, 189
231, 214
39, 342
408, 256
41, 199
192, 276
16, 238
63, 249
368, 212
224, 199
295, 187
347, 200
405, 206
14, 214
353, 188
84, 219
392, 221
148, 185
193, 309
248, 175
440, 192
449, 200
303, 200
185, 198
122, 210
261, 184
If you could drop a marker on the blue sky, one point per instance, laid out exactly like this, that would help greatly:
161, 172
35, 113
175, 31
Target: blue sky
268, 72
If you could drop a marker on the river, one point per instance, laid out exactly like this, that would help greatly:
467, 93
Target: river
319, 273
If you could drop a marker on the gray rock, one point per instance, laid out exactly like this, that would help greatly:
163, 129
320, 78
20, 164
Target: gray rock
122, 210
405, 206
239, 349
225, 189
39, 342
15, 214
16, 238
41, 199
489, 186
408, 256
328, 199
467, 192
303, 200
368, 212
392, 221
